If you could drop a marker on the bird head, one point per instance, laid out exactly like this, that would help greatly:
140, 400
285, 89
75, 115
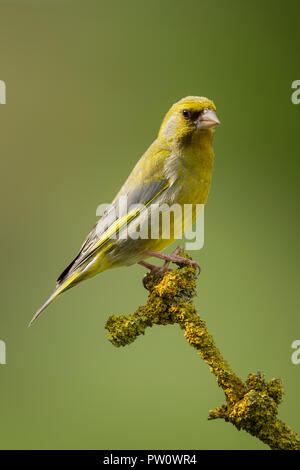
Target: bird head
190, 115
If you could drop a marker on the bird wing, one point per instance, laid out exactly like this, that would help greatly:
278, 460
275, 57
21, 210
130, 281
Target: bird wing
143, 187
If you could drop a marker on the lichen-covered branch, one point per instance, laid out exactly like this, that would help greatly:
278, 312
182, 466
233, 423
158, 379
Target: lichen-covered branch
250, 405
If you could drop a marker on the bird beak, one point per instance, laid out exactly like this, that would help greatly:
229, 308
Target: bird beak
207, 120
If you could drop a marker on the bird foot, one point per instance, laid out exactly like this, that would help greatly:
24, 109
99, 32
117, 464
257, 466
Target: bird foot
172, 258
154, 270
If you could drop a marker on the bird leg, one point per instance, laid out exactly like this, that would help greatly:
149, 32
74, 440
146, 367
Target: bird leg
172, 258
149, 266
153, 270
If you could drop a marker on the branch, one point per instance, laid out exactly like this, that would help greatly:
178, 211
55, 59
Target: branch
250, 405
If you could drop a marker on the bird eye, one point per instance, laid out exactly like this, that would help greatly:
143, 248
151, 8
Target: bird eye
186, 113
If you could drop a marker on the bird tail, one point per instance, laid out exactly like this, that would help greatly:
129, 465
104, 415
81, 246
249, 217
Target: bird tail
59, 290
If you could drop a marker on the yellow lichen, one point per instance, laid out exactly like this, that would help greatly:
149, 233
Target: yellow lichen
251, 406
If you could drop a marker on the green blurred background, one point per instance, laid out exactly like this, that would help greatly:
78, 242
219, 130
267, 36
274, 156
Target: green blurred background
88, 83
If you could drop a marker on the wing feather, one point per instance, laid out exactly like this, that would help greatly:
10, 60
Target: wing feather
100, 236
143, 186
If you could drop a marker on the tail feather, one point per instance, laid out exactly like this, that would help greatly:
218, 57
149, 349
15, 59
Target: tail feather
43, 307
60, 288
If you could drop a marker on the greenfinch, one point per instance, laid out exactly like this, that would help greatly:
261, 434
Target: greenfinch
176, 169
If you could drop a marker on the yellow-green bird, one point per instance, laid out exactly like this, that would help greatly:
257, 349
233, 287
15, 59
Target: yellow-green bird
176, 169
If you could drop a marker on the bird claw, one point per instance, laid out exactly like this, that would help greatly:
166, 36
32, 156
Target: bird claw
193, 263
172, 258
155, 271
